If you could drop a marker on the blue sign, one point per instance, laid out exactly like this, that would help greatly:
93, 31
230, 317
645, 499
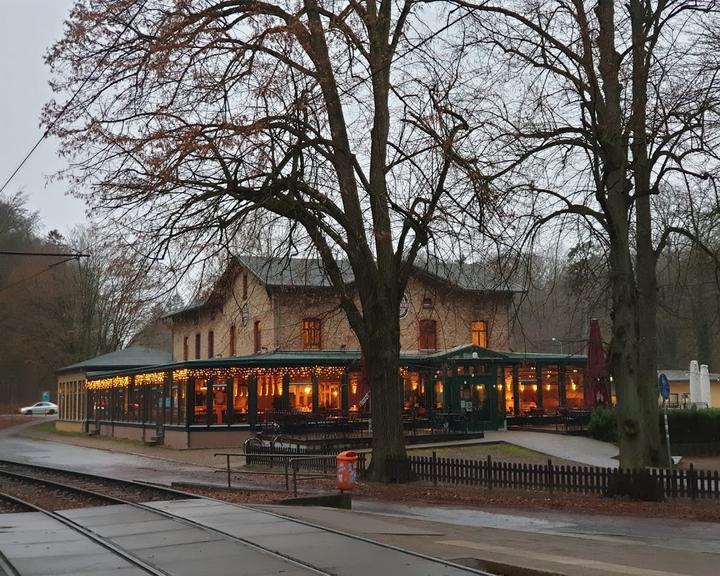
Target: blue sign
45, 396
664, 386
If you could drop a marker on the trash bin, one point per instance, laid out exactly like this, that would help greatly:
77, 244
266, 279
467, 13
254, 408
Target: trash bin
346, 470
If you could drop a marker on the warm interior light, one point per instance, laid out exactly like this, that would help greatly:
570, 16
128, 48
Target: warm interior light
334, 393
353, 388
308, 389
522, 387
547, 387
534, 387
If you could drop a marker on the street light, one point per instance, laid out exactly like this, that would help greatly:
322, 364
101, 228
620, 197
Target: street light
559, 342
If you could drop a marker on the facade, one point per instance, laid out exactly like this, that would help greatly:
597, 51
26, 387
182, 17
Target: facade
265, 304
270, 345
680, 388
72, 381
217, 402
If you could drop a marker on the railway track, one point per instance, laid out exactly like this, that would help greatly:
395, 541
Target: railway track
56, 493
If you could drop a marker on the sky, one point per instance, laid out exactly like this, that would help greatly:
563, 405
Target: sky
27, 29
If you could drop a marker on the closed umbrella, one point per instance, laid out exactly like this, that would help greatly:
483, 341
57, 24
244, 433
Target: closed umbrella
596, 376
694, 382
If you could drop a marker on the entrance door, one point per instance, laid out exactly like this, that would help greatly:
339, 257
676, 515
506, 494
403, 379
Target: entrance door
474, 396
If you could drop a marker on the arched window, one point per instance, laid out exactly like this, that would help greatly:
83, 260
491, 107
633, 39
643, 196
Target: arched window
478, 333
311, 334
197, 346
427, 335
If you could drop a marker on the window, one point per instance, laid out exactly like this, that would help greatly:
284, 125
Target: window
186, 352
478, 333
427, 303
232, 340
197, 346
428, 335
311, 334
257, 336
211, 344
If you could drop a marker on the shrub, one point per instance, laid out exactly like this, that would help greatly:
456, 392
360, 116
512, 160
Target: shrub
639, 485
603, 425
693, 425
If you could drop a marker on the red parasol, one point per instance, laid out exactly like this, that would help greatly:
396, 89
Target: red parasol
596, 376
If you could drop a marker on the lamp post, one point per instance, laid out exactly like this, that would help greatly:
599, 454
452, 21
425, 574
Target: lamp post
559, 342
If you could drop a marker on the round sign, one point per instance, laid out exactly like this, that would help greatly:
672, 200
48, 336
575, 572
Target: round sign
664, 385
404, 306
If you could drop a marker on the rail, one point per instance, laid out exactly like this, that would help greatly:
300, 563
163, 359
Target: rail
289, 462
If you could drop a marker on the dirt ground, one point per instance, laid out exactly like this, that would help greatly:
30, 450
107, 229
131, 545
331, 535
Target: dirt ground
270, 487
9, 420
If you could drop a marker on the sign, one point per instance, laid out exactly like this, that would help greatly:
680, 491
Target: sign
45, 396
664, 386
404, 306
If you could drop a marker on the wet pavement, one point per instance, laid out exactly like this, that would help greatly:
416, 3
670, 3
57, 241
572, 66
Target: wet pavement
557, 541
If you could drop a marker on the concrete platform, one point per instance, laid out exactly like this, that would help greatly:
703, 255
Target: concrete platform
40, 546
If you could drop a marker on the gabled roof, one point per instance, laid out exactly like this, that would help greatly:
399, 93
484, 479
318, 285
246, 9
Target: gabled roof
132, 357
310, 273
294, 272
471, 276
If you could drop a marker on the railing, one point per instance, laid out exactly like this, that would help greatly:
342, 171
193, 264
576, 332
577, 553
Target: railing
553, 478
292, 459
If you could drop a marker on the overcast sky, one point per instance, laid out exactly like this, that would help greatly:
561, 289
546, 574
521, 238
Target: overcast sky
27, 28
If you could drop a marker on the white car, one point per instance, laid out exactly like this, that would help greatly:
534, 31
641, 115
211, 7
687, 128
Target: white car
40, 408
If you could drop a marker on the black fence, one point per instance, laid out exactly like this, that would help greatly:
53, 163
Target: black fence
306, 459
660, 483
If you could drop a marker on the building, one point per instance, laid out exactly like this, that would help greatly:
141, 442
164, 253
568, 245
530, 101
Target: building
269, 343
72, 381
680, 388
264, 304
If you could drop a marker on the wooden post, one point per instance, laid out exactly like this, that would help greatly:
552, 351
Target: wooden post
549, 477
434, 468
489, 473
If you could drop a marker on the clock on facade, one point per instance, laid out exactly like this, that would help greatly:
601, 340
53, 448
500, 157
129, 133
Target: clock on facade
404, 306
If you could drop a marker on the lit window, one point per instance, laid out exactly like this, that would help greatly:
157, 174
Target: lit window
428, 335
478, 333
311, 334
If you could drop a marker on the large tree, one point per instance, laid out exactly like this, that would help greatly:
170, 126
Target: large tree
605, 106
348, 119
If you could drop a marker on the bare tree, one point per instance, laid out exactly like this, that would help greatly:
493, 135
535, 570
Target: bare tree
607, 105
348, 120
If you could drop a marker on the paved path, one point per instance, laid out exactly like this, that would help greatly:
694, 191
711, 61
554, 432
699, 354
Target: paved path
576, 448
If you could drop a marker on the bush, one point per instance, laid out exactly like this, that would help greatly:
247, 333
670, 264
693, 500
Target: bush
693, 425
636, 486
603, 425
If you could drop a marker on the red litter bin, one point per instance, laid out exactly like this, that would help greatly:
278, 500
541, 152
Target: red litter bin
346, 470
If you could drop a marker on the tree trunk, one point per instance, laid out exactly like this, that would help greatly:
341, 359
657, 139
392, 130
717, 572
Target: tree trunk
382, 362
